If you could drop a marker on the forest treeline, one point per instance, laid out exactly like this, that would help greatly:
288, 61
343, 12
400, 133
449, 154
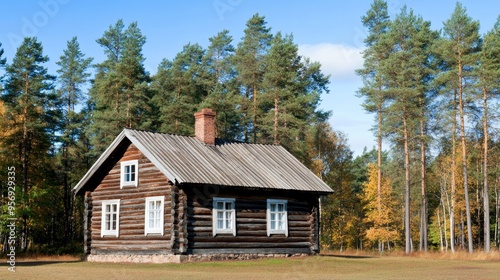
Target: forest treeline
434, 97
436, 186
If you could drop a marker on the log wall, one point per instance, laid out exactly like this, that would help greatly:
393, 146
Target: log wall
131, 236
251, 226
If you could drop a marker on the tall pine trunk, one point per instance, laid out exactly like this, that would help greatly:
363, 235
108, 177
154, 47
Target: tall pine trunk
379, 150
486, 196
423, 219
254, 109
408, 244
464, 154
25, 165
453, 174
497, 216
276, 121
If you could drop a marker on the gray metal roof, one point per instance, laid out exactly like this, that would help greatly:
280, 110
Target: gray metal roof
187, 160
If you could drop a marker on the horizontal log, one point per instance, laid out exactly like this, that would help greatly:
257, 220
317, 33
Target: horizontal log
251, 251
137, 236
299, 217
248, 239
129, 194
254, 232
200, 245
295, 228
199, 229
294, 224
252, 215
200, 211
202, 223
131, 247
139, 226
193, 218
137, 239
261, 226
250, 220
128, 252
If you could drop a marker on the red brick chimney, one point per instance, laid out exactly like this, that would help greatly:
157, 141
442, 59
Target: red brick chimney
204, 126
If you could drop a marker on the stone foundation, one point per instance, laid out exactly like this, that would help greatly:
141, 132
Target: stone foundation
170, 258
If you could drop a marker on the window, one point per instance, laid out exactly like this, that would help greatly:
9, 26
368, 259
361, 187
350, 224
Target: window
129, 173
154, 215
277, 217
110, 220
224, 216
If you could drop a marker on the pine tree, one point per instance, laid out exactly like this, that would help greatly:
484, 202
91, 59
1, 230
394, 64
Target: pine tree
119, 93
459, 49
291, 89
404, 71
377, 21
72, 77
179, 90
426, 38
135, 79
221, 86
280, 91
250, 67
28, 98
489, 87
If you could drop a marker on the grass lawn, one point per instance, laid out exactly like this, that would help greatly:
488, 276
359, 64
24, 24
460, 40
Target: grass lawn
315, 267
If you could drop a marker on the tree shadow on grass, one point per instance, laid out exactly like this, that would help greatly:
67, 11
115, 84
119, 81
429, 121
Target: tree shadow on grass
347, 256
22, 263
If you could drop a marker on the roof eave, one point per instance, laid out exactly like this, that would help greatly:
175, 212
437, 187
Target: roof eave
77, 190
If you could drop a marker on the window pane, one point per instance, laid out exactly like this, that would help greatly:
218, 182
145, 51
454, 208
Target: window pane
220, 205
113, 222
220, 223
132, 173
281, 207
127, 173
229, 206
273, 207
106, 222
273, 224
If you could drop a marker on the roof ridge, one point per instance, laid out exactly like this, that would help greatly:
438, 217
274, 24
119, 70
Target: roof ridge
230, 141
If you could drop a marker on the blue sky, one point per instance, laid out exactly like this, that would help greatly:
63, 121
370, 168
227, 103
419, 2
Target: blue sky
326, 31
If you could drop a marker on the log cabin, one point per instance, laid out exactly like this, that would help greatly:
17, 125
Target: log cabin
156, 197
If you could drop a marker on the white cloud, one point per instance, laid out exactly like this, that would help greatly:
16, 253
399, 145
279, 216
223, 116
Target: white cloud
340, 61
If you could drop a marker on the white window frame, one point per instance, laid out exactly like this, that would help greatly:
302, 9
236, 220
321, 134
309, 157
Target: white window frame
123, 166
104, 213
216, 230
277, 213
147, 228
